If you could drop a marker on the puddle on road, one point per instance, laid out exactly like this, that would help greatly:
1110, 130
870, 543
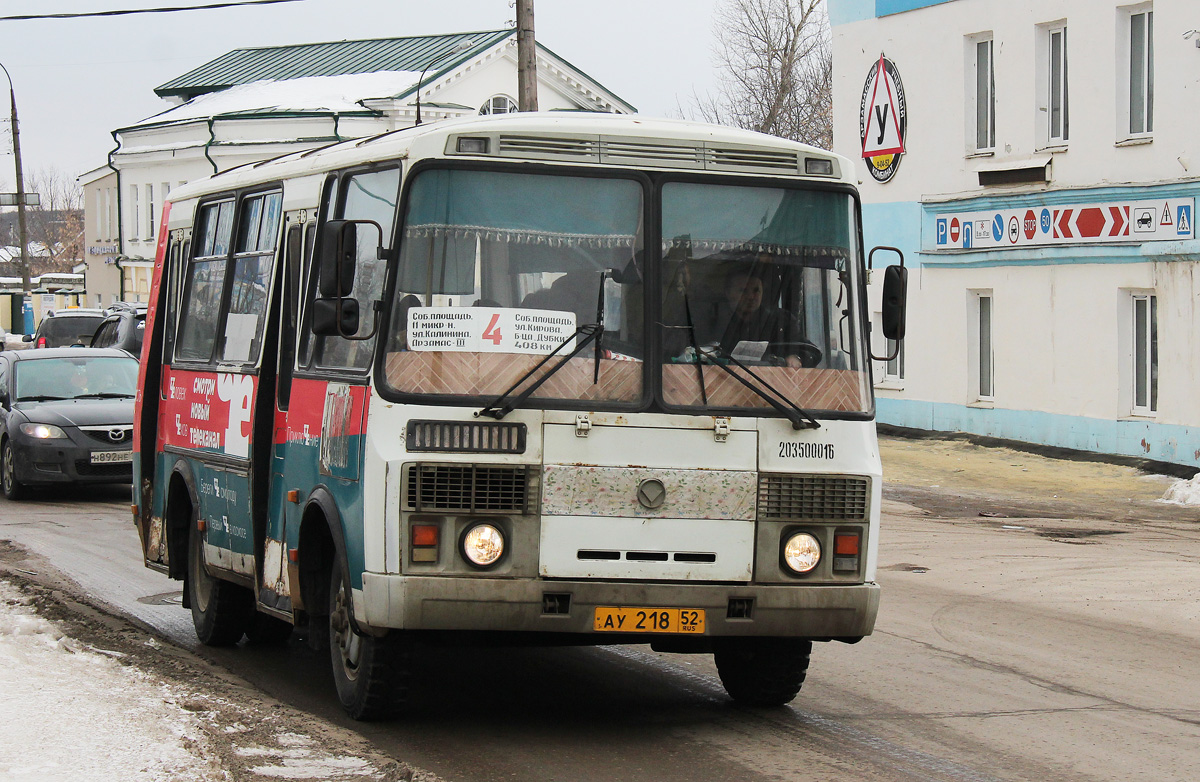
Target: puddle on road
163, 599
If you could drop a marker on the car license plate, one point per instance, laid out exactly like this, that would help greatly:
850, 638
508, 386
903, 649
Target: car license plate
111, 457
613, 619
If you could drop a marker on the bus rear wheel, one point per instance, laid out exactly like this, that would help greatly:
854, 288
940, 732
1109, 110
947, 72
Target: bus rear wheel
221, 611
763, 671
370, 673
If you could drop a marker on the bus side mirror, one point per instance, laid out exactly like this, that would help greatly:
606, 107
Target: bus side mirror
895, 302
333, 317
339, 253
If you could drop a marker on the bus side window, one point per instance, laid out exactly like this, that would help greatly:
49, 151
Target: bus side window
366, 196
253, 262
293, 247
204, 283
311, 264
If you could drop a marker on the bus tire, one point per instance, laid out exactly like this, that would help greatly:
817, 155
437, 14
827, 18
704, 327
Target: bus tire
221, 611
763, 671
370, 672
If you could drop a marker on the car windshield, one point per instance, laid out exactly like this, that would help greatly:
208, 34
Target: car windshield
67, 330
497, 270
764, 281
80, 377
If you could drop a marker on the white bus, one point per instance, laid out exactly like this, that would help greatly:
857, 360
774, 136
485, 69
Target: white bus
535, 378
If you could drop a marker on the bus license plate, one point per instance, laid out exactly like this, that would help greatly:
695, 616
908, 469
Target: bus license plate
111, 457
612, 619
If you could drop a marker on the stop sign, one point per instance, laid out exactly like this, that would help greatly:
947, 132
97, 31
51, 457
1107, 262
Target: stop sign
1030, 224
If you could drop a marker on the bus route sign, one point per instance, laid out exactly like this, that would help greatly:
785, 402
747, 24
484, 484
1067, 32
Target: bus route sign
490, 330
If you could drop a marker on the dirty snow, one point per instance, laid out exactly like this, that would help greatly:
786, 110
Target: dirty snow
71, 712
1183, 492
310, 93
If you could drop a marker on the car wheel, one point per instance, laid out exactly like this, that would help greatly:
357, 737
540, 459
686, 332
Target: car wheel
221, 611
370, 673
13, 488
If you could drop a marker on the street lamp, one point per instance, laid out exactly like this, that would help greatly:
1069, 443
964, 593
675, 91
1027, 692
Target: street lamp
462, 46
26, 314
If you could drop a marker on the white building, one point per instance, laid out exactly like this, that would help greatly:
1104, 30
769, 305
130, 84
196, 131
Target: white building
1044, 201
253, 104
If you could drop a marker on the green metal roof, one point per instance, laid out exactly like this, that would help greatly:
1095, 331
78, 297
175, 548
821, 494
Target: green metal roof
335, 58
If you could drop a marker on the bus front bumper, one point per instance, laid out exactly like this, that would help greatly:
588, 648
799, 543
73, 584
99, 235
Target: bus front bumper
504, 605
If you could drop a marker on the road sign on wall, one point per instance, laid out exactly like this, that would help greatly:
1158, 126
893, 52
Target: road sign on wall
1167, 219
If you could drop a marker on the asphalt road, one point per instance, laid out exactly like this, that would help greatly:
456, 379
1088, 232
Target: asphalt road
1040, 621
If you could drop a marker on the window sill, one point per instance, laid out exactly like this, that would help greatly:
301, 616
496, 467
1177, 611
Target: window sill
983, 404
890, 385
1054, 149
981, 153
1137, 141
1140, 417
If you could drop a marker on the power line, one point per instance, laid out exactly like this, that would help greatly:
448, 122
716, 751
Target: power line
129, 11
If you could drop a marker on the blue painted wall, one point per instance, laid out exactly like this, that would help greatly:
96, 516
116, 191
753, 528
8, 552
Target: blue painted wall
846, 11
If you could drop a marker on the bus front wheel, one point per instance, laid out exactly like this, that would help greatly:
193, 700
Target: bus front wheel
221, 611
370, 672
762, 671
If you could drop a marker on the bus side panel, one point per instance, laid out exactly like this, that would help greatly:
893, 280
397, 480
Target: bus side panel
145, 416
321, 445
209, 414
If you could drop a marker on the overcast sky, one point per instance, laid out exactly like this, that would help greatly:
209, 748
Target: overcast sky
78, 79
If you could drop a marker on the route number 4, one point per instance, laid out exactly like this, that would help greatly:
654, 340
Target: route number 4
492, 332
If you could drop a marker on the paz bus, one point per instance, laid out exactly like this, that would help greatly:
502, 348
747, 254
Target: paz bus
524, 379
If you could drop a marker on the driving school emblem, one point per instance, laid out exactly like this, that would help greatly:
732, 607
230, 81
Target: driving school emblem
883, 120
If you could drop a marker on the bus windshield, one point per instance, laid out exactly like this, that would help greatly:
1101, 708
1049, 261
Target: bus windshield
763, 281
497, 270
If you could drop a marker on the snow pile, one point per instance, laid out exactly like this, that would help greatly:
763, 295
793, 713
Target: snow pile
1183, 492
299, 758
309, 93
71, 713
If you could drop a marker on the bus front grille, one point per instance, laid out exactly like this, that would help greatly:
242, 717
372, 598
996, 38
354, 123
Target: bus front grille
467, 488
835, 497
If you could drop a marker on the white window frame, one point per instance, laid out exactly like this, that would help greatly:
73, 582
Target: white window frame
981, 87
981, 313
490, 105
1135, 74
1144, 353
890, 374
150, 213
135, 213
1056, 83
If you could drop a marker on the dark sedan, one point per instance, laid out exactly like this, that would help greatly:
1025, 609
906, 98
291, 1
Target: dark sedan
67, 417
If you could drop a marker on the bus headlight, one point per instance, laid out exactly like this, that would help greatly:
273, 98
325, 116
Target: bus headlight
801, 552
483, 545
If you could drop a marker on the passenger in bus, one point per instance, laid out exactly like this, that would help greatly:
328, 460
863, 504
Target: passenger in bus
400, 340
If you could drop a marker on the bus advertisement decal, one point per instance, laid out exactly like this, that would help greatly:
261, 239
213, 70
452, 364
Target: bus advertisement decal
209, 411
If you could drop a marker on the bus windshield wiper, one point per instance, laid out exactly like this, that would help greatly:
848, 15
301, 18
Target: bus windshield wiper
502, 406
800, 418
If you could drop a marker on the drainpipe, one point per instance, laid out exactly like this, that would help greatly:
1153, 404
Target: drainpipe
120, 223
212, 139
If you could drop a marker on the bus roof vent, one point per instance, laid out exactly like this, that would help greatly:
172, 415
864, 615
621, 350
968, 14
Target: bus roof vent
752, 159
650, 152
548, 148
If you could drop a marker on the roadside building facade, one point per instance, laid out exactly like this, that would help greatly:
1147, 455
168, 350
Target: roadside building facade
254, 104
1036, 163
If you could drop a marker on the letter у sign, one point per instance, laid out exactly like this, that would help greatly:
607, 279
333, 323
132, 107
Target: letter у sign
883, 120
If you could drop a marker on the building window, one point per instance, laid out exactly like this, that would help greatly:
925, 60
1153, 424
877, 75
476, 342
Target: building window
499, 104
1145, 354
1140, 86
1057, 108
982, 358
135, 213
150, 212
983, 88
891, 370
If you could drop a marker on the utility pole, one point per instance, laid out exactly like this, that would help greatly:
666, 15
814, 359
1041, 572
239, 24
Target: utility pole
22, 234
526, 58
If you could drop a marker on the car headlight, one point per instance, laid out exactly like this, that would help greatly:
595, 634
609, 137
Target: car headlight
43, 431
801, 552
483, 545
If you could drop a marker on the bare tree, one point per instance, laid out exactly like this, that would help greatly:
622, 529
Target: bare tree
57, 223
776, 69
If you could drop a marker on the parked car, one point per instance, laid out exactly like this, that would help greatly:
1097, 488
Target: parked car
66, 328
66, 416
123, 328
